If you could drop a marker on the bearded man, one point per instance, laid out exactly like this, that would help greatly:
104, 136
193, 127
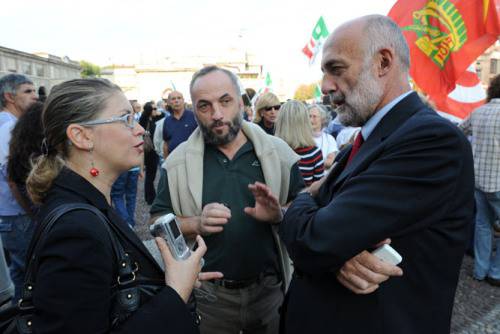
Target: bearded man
408, 177
208, 189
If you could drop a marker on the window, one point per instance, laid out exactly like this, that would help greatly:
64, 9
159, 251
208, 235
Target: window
27, 69
40, 70
11, 65
493, 66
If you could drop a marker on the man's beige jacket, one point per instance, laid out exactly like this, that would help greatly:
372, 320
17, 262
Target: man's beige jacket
185, 176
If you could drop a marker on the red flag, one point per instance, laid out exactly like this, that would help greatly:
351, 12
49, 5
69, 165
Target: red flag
467, 95
445, 37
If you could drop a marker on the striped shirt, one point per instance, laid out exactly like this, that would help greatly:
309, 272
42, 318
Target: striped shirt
310, 164
484, 126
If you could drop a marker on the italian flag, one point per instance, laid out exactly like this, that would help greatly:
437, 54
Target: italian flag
267, 84
317, 93
318, 36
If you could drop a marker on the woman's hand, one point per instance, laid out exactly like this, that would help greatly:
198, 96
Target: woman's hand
183, 275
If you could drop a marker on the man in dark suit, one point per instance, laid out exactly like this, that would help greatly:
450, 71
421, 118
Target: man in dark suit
409, 177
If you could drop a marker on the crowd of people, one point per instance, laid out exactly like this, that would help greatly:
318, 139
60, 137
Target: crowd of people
285, 200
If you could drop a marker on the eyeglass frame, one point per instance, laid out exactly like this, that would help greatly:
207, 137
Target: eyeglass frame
276, 107
111, 120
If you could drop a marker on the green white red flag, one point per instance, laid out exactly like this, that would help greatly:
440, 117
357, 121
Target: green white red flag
268, 84
445, 37
318, 36
317, 93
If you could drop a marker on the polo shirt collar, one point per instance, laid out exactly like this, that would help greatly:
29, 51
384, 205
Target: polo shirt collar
184, 115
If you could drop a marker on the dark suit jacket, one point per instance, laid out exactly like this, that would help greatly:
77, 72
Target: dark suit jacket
77, 268
411, 181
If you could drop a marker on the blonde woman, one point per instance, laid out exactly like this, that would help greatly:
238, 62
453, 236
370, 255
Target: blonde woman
294, 127
267, 110
325, 142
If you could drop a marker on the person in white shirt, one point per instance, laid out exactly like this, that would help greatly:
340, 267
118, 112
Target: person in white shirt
346, 136
319, 119
17, 95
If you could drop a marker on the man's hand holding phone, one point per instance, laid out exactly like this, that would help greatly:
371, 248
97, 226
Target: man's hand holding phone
366, 271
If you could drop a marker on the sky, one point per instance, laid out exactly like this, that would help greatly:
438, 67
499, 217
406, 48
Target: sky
131, 31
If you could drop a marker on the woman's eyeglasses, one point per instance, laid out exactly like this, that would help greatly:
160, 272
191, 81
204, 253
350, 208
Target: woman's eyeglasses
277, 107
127, 119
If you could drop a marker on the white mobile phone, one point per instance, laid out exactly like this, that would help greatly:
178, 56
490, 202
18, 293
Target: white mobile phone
387, 254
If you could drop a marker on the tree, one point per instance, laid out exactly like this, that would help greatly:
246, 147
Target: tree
89, 69
305, 92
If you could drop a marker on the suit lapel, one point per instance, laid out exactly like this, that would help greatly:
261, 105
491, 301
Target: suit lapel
327, 189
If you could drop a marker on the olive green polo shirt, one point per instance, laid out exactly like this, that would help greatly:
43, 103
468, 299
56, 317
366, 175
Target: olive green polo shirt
245, 248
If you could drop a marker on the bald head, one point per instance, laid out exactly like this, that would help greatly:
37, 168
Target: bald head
174, 93
365, 66
372, 34
176, 101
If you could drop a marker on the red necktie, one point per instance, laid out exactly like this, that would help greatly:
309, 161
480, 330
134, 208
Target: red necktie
355, 147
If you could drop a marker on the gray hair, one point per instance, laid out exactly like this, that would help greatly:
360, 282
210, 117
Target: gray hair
9, 84
294, 126
212, 68
381, 32
71, 102
323, 113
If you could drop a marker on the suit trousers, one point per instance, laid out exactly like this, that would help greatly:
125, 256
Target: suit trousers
251, 310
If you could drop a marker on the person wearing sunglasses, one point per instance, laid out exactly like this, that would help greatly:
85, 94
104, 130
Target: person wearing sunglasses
267, 106
91, 137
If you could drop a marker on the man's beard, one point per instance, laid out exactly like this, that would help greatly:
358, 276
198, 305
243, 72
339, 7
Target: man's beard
212, 138
359, 106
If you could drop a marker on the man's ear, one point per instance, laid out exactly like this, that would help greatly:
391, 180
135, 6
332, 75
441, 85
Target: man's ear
385, 61
9, 97
80, 136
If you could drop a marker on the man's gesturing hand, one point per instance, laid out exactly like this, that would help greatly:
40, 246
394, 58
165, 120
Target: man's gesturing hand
267, 207
213, 217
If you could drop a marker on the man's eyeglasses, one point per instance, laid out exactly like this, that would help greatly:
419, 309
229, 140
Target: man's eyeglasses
277, 107
127, 119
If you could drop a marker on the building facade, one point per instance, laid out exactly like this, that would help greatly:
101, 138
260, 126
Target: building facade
488, 64
155, 79
43, 69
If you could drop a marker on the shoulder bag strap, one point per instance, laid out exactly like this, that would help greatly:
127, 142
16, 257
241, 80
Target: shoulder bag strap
126, 274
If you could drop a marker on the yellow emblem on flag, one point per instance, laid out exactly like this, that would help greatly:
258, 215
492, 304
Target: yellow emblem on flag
440, 30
